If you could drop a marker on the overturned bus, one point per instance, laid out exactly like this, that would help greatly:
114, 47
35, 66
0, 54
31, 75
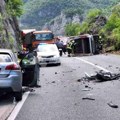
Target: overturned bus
87, 44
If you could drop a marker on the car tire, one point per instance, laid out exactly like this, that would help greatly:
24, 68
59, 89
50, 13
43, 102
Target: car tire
18, 96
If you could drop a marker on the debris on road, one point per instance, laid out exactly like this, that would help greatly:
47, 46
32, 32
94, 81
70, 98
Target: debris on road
87, 98
106, 76
86, 86
112, 105
85, 89
88, 77
79, 80
53, 81
110, 66
67, 71
56, 73
75, 104
117, 67
101, 76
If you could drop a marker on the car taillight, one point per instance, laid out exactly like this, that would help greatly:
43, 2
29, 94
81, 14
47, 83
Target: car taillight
12, 67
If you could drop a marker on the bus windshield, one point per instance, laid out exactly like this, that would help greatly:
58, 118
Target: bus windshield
44, 36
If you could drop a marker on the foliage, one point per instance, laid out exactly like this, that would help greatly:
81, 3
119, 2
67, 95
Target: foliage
14, 7
112, 28
1, 23
38, 12
116, 37
93, 22
72, 29
84, 27
72, 11
44, 11
92, 13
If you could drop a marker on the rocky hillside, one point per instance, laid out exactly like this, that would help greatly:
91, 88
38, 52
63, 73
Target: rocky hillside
9, 29
56, 14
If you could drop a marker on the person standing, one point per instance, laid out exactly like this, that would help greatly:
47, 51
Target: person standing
59, 46
69, 48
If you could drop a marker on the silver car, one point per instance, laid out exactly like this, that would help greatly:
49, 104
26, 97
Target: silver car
48, 54
10, 74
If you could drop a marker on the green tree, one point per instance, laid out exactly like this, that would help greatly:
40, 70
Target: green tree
84, 27
72, 29
112, 28
72, 11
14, 7
89, 25
93, 13
116, 37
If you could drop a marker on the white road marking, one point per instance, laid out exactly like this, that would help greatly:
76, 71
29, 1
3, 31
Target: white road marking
20, 104
97, 66
18, 107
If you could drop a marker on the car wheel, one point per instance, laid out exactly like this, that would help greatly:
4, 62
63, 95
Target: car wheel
18, 96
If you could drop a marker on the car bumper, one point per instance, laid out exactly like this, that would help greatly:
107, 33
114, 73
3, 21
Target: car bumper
12, 82
49, 61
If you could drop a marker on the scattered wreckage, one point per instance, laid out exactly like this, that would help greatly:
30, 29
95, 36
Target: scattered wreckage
101, 76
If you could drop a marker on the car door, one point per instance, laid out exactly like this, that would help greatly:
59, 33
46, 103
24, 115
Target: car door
30, 70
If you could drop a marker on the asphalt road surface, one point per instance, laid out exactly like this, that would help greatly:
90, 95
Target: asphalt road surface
65, 96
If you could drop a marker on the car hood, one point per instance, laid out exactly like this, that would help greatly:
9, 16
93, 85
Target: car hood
48, 53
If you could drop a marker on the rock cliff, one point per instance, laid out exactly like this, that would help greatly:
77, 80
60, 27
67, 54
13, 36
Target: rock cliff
9, 29
58, 24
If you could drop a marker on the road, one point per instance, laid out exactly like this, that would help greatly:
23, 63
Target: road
61, 95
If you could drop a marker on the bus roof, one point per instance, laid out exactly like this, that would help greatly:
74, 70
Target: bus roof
42, 31
25, 31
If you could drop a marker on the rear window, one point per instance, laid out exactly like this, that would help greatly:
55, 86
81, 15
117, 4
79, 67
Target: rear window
5, 58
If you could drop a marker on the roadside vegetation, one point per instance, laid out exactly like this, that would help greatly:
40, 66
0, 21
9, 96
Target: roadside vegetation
101, 22
39, 12
13, 9
104, 19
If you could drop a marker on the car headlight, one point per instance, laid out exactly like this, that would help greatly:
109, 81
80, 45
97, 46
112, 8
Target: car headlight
56, 56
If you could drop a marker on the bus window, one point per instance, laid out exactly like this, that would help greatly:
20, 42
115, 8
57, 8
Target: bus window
44, 36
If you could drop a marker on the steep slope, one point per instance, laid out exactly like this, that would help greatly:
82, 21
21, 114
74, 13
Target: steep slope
40, 12
9, 29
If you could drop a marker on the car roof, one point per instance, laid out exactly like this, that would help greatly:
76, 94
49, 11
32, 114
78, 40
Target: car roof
10, 52
6, 51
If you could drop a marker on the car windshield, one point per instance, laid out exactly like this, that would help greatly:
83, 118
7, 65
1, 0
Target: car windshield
5, 58
47, 48
44, 36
